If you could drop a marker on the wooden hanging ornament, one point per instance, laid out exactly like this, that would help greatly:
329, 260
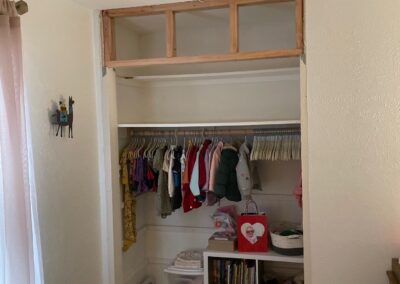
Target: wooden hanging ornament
65, 117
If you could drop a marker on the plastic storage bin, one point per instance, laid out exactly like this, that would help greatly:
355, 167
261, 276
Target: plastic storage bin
180, 277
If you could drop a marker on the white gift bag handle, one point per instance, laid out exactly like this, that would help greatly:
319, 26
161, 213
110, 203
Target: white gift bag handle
248, 202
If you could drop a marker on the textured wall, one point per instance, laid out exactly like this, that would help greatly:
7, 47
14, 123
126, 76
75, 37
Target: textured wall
353, 92
57, 49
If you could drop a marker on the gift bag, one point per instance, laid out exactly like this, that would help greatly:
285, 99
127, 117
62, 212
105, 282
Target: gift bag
252, 230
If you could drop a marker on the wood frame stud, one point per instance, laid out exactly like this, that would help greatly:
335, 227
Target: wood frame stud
170, 10
234, 26
171, 33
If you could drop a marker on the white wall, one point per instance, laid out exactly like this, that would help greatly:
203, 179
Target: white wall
266, 95
58, 61
127, 42
353, 79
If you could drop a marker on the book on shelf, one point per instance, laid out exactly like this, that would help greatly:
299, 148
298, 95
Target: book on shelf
228, 272
232, 271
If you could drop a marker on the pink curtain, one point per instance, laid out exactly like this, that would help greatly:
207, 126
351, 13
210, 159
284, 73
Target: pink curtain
16, 235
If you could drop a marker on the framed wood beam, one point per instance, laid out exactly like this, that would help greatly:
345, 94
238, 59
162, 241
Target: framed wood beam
206, 58
170, 33
170, 10
109, 51
234, 26
299, 24
183, 7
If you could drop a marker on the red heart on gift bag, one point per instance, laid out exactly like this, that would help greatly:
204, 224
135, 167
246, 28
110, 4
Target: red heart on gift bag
252, 232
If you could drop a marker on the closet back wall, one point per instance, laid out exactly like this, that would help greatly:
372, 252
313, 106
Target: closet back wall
255, 96
268, 95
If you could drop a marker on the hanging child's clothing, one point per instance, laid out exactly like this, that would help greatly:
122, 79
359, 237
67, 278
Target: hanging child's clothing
194, 178
202, 164
171, 162
163, 199
207, 164
189, 200
215, 164
201, 174
129, 211
225, 179
176, 174
243, 172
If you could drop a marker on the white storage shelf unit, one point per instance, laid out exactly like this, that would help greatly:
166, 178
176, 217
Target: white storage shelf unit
259, 257
248, 99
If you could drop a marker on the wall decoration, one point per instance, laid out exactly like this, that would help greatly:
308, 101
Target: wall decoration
64, 117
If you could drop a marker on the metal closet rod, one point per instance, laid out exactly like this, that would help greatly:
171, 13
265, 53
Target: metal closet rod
214, 132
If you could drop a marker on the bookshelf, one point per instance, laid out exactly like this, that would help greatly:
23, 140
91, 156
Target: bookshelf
257, 257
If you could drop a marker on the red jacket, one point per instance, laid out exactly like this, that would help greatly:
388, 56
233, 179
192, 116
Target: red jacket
189, 200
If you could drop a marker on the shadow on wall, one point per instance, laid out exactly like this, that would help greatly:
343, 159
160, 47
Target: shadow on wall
52, 119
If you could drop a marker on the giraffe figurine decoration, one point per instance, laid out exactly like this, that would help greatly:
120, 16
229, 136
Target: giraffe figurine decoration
70, 117
65, 117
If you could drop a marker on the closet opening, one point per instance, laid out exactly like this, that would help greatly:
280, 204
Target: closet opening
179, 112
170, 114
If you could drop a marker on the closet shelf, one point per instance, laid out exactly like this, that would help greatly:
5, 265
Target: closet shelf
269, 123
235, 75
263, 256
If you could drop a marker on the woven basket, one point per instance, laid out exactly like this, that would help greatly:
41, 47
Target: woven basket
287, 245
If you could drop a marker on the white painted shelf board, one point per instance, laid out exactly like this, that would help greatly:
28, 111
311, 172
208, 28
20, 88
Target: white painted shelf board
212, 124
264, 256
218, 75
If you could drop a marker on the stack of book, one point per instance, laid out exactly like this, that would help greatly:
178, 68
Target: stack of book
232, 271
222, 241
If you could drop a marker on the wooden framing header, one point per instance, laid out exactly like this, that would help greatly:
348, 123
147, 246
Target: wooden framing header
183, 7
234, 54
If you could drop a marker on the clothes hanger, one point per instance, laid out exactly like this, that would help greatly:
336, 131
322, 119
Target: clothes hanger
255, 148
265, 148
131, 146
147, 148
156, 146
184, 143
140, 148
150, 151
